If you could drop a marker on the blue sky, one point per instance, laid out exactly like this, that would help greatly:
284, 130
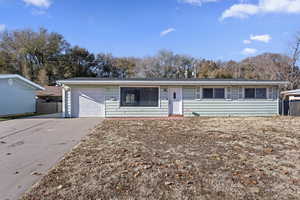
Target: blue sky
211, 29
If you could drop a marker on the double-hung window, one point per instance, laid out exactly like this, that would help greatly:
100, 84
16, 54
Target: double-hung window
213, 93
139, 96
255, 93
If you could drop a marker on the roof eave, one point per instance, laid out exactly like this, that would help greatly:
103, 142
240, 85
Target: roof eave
16, 76
183, 83
38, 87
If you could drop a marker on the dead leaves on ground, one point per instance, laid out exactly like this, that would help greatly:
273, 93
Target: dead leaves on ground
194, 158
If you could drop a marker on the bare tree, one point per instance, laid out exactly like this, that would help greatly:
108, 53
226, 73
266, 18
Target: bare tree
294, 75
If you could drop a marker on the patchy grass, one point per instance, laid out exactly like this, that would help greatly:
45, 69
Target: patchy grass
10, 117
193, 158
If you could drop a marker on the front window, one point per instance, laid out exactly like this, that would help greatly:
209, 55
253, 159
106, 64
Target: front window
139, 97
255, 93
208, 93
261, 93
219, 93
213, 93
250, 93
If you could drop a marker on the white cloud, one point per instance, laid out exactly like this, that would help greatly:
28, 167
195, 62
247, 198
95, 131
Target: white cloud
197, 2
38, 12
39, 3
167, 31
240, 11
243, 10
261, 38
2, 27
249, 51
247, 41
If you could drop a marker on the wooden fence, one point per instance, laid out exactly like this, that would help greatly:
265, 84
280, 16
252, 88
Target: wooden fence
294, 108
48, 107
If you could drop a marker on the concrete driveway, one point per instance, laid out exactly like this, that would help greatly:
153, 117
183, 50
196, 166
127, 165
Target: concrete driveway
30, 147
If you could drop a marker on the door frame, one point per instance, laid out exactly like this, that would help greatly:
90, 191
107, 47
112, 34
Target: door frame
170, 105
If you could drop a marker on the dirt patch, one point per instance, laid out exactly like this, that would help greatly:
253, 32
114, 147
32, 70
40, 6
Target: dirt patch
193, 158
19, 143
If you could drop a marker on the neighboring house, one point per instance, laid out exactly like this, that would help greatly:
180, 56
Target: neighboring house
291, 102
291, 95
17, 95
96, 97
50, 94
49, 100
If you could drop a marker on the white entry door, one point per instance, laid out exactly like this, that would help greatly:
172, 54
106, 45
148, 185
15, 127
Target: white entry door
175, 101
87, 102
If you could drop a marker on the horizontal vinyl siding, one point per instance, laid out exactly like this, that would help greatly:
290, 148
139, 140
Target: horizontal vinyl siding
189, 93
218, 107
113, 109
191, 106
16, 98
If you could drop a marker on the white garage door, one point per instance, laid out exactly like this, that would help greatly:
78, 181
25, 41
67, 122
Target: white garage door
87, 102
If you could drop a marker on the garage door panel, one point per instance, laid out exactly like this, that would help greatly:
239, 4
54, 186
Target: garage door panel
88, 102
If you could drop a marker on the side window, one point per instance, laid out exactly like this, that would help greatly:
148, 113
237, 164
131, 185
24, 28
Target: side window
255, 93
219, 93
208, 93
261, 93
249, 93
213, 93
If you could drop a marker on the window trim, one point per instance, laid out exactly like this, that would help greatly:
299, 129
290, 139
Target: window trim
267, 93
198, 92
130, 86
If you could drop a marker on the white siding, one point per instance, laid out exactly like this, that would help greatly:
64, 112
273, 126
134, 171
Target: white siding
234, 105
16, 98
112, 104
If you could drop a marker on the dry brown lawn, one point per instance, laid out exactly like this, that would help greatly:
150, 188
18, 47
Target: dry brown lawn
193, 158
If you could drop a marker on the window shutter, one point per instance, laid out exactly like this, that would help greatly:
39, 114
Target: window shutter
198, 93
270, 93
235, 93
275, 93
241, 95
229, 93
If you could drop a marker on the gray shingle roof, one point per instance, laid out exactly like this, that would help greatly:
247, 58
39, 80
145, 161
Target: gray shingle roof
161, 79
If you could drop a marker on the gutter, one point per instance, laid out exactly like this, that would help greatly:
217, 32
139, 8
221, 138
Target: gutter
183, 83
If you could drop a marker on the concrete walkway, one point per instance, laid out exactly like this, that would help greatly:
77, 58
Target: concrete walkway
30, 147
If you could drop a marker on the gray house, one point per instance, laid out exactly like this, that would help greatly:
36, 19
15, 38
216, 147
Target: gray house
291, 102
17, 95
96, 97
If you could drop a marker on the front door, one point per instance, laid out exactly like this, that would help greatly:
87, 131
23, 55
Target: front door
175, 101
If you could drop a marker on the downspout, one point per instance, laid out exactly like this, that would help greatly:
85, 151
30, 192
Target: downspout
282, 105
63, 102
